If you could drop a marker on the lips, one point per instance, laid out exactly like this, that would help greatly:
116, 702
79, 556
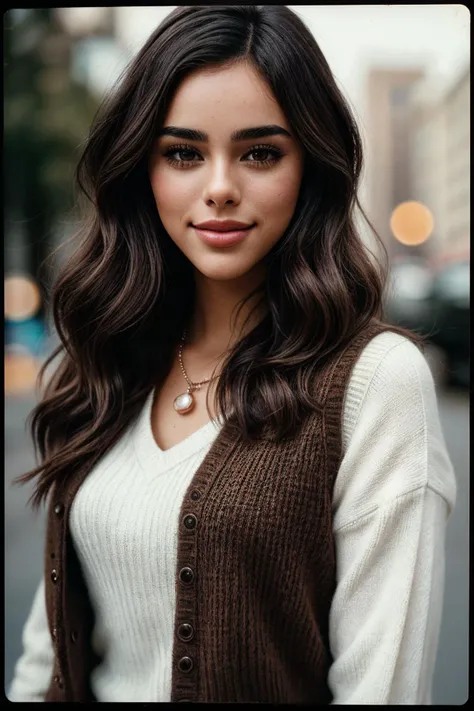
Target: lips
223, 225
221, 238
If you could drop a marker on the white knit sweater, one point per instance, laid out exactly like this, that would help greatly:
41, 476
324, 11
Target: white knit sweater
393, 493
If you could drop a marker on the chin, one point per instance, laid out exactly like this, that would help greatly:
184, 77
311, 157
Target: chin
223, 272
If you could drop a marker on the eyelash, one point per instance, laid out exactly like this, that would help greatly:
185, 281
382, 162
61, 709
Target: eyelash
275, 152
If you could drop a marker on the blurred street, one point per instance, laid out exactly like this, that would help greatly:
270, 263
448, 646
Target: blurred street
24, 539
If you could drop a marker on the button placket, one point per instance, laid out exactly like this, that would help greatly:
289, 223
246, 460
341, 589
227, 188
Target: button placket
58, 510
55, 577
185, 661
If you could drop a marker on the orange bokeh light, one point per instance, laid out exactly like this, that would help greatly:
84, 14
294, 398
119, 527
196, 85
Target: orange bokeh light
21, 371
411, 223
22, 297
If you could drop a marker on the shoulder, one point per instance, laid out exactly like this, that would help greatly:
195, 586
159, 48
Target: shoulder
392, 433
389, 363
393, 356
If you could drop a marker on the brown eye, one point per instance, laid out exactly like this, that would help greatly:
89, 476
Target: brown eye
271, 154
184, 154
259, 151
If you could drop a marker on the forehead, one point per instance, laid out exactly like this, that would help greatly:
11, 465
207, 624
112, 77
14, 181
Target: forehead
226, 98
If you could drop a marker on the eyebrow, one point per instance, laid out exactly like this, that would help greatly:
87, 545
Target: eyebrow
243, 134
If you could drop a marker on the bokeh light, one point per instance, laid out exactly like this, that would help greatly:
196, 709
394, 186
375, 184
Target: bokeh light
411, 223
21, 371
22, 297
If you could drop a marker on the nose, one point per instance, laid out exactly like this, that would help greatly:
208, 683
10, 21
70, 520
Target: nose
221, 187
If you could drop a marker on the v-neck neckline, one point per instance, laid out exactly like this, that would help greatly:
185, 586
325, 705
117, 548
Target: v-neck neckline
150, 454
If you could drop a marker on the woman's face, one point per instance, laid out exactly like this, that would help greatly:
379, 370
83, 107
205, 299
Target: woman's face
212, 177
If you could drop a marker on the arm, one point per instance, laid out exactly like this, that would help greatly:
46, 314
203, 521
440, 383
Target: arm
394, 492
34, 668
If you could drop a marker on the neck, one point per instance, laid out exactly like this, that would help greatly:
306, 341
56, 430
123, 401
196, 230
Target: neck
215, 325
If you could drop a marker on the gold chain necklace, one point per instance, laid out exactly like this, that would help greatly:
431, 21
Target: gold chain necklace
185, 402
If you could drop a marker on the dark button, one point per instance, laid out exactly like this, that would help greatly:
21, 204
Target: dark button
185, 664
185, 632
54, 632
195, 495
54, 576
190, 521
73, 636
186, 575
57, 680
58, 509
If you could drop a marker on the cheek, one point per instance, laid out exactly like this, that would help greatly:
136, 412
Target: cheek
278, 198
173, 194
289, 186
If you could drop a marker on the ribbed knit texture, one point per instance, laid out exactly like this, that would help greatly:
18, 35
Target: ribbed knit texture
125, 522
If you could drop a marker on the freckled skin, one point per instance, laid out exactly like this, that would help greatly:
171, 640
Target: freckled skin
224, 180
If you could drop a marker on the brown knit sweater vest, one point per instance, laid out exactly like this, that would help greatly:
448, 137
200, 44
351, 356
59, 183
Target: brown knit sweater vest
256, 569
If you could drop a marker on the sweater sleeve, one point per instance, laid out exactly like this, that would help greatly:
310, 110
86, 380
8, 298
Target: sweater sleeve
34, 668
393, 495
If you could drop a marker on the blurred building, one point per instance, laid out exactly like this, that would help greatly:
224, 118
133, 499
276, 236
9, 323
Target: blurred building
418, 149
97, 58
106, 39
388, 131
440, 161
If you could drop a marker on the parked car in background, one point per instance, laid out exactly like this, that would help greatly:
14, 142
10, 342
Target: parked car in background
449, 303
408, 294
435, 302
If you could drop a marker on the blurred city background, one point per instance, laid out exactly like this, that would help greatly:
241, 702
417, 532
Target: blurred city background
406, 72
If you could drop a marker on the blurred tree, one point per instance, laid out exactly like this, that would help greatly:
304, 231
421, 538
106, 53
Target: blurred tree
46, 119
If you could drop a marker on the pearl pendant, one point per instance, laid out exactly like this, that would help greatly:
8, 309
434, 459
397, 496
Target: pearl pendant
184, 403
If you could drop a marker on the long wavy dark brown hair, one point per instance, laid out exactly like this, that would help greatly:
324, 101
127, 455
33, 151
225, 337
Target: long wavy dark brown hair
121, 302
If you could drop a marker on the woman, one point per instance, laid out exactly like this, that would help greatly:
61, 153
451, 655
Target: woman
248, 483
